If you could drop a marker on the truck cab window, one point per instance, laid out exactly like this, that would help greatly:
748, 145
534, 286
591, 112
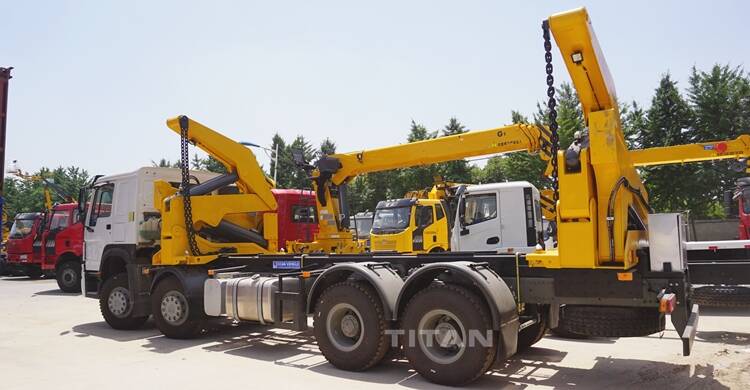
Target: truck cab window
424, 216
439, 213
102, 204
59, 220
303, 214
480, 208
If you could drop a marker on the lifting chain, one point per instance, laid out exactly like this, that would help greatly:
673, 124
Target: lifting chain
552, 106
185, 184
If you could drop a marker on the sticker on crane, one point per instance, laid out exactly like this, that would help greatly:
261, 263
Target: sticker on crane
721, 147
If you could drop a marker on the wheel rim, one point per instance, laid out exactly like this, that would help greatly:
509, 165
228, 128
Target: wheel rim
344, 327
441, 336
118, 302
68, 277
174, 308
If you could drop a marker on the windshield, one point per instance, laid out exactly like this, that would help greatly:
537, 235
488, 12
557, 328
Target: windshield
21, 228
363, 225
391, 220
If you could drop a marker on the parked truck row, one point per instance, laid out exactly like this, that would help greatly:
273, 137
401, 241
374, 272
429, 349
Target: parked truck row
455, 279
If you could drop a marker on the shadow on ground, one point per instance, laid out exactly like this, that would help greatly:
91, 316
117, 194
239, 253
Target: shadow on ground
55, 292
534, 367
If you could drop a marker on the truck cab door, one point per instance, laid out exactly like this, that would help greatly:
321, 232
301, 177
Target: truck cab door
477, 227
423, 232
98, 226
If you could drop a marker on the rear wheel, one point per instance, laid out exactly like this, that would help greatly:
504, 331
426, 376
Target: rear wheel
116, 304
448, 335
173, 313
350, 326
68, 276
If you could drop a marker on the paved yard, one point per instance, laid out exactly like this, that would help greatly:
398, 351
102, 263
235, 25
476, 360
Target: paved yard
53, 340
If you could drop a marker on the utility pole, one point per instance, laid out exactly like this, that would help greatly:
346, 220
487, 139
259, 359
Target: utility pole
4, 77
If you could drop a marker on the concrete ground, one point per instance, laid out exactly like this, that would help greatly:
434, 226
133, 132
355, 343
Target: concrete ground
49, 339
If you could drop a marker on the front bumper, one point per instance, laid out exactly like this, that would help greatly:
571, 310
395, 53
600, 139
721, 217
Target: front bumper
22, 269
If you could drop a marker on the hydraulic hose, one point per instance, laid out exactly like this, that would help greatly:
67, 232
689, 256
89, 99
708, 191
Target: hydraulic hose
622, 181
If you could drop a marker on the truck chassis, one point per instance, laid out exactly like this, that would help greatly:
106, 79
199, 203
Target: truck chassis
520, 302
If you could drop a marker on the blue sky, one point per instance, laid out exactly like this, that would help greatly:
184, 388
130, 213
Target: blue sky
95, 81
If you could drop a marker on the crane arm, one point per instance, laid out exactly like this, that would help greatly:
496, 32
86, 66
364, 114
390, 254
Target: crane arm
235, 157
738, 148
584, 60
517, 137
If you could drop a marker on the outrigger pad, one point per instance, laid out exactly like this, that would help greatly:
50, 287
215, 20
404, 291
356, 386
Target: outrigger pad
688, 335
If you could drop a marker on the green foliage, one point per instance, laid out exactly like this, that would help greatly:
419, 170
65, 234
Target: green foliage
27, 195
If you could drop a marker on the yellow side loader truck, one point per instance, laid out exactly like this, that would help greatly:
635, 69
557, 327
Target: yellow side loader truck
617, 269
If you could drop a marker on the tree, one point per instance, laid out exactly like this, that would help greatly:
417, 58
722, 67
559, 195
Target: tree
671, 187
164, 163
459, 170
22, 195
327, 147
634, 121
720, 103
298, 177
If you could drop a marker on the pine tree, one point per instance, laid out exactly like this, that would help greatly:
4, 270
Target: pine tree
720, 101
459, 170
671, 187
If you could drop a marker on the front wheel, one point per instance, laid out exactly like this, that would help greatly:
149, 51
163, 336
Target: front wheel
175, 317
116, 304
68, 276
448, 335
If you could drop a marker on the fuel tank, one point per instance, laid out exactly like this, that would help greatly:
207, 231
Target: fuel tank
245, 298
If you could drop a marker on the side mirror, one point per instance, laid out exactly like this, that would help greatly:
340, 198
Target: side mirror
81, 202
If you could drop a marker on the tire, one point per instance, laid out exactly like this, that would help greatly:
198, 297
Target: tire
350, 326
174, 314
610, 321
722, 296
532, 334
68, 275
453, 311
116, 304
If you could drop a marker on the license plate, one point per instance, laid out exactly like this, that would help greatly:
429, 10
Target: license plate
286, 264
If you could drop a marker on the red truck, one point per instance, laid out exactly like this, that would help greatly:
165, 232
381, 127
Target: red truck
743, 195
48, 244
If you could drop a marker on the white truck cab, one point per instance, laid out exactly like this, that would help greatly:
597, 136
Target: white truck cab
120, 221
497, 217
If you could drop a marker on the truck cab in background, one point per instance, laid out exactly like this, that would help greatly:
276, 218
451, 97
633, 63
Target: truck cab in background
743, 197
410, 225
20, 245
48, 244
496, 217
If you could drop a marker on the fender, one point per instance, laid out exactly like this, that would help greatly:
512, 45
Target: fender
479, 276
384, 279
192, 279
